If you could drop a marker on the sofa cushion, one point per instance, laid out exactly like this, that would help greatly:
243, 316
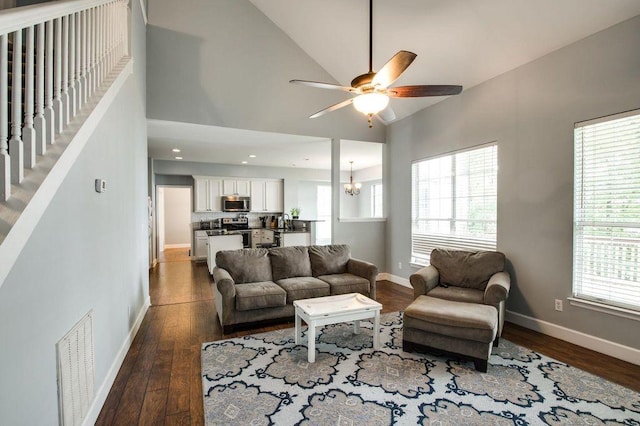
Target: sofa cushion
245, 265
347, 283
304, 288
458, 294
327, 260
466, 268
287, 262
259, 295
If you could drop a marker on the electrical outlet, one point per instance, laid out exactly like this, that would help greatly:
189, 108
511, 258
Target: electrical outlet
399, 265
558, 305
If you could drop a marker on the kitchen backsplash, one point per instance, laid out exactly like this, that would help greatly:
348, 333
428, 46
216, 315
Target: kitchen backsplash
254, 218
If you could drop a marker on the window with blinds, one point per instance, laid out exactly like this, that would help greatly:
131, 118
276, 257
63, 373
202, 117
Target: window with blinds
606, 215
454, 202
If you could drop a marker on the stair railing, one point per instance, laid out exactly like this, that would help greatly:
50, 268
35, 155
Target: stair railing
53, 58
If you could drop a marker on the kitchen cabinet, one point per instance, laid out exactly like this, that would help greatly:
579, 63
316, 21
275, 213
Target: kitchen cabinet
240, 187
267, 196
288, 239
207, 192
221, 242
201, 245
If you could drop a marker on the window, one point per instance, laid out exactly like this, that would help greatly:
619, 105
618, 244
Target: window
323, 227
454, 202
606, 216
376, 200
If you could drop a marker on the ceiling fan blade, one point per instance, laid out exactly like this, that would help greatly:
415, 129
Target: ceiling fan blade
393, 68
319, 85
332, 108
425, 90
387, 114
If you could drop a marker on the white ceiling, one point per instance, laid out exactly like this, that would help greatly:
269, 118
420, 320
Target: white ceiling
462, 42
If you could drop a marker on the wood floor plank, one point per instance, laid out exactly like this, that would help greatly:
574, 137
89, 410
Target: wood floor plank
164, 358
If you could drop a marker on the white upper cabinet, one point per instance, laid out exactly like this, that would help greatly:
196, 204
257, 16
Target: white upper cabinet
236, 187
266, 196
207, 194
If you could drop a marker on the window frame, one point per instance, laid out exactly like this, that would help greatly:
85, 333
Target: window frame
451, 239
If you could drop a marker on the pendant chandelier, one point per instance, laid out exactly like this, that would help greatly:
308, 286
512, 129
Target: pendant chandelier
352, 188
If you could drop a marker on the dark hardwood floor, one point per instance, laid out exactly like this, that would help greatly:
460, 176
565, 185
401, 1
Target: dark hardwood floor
159, 381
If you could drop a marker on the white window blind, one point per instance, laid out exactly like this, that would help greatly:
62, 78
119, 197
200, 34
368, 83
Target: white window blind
454, 202
607, 210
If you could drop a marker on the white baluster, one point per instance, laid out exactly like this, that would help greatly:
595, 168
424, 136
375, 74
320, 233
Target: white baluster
38, 119
85, 56
73, 92
78, 57
58, 106
65, 72
100, 50
91, 51
49, 115
16, 147
28, 132
5, 165
125, 28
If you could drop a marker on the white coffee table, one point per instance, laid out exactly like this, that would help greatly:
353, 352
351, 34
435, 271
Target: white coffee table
334, 309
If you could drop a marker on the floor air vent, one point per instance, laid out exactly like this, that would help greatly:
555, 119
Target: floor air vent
75, 372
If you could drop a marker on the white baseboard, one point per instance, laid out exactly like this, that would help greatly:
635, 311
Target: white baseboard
171, 246
103, 392
597, 344
394, 279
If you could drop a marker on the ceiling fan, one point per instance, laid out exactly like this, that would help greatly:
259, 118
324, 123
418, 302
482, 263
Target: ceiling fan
372, 91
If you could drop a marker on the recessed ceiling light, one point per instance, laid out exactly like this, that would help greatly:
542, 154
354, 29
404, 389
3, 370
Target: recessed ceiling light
306, 159
178, 158
175, 150
252, 156
244, 162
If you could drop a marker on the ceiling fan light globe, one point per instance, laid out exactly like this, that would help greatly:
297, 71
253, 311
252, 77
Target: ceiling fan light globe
371, 103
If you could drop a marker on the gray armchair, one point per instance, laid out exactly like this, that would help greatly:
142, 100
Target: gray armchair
464, 276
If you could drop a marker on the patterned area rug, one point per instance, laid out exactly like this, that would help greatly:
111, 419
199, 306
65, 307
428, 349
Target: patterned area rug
265, 379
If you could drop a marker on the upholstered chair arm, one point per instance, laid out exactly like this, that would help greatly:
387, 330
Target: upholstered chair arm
497, 289
424, 280
224, 282
365, 270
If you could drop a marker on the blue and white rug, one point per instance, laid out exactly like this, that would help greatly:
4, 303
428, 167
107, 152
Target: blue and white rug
265, 379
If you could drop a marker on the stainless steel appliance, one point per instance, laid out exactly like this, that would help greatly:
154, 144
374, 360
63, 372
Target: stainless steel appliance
239, 225
234, 203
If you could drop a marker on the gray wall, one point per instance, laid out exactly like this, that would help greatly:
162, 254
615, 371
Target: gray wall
89, 251
222, 63
530, 112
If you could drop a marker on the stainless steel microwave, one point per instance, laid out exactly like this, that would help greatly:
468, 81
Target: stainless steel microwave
233, 203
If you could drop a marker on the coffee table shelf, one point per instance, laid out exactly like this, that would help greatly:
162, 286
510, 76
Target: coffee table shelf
332, 310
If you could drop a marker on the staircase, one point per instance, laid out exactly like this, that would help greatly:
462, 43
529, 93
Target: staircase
57, 61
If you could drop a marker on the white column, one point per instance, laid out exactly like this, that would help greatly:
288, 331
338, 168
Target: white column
49, 115
65, 72
5, 165
58, 106
16, 147
38, 120
28, 132
73, 93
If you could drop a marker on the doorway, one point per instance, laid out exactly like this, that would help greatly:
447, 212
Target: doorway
173, 212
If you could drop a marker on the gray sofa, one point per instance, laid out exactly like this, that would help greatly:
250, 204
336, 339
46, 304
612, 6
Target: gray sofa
253, 285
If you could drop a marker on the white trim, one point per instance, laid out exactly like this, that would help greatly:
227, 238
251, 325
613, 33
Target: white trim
362, 219
588, 341
144, 12
21, 231
103, 392
183, 245
394, 279
607, 309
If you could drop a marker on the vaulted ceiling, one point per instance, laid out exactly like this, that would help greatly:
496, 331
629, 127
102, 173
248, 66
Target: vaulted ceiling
227, 63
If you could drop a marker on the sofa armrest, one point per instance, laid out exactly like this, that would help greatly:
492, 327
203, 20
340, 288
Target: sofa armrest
224, 282
365, 270
424, 280
497, 289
